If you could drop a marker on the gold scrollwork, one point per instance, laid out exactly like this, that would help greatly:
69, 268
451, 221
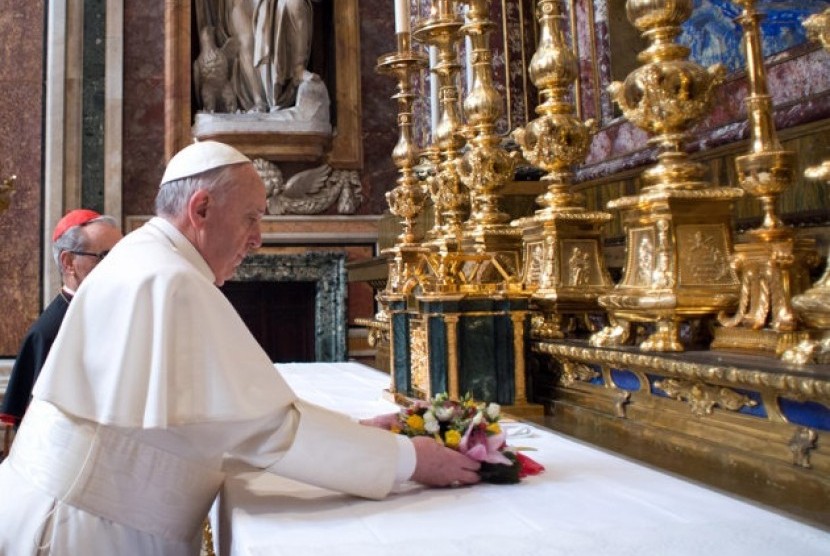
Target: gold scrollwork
804, 440
573, 372
703, 398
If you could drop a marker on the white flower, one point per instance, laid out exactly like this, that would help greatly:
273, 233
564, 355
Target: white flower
443, 413
478, 418
493, 411
431, 426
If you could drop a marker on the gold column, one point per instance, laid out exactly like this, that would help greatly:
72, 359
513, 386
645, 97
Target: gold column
678, 229
773, 264
563, 260
813, 306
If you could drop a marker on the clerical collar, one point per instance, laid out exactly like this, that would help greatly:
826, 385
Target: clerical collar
67, 293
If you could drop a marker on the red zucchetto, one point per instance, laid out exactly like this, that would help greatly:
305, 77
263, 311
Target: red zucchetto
77, 217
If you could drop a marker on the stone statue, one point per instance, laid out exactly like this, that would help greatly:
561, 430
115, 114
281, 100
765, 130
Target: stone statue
274, 47
211, 73
312, 102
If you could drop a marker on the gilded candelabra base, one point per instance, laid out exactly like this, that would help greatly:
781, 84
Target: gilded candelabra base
461, 343
813, 309
773, 268
565, 269
493, 260
677, 265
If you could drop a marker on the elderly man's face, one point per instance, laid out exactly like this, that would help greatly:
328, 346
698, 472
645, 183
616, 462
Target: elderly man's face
99, 238
232, 228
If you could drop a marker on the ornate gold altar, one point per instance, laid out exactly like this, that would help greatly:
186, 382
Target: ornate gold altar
508, 309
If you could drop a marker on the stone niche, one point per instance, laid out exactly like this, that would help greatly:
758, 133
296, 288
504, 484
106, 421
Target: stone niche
328, 271
340, 150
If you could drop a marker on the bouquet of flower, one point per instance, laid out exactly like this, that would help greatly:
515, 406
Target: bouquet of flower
473, 429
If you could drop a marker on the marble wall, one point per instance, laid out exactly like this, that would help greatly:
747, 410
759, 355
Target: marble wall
21, 112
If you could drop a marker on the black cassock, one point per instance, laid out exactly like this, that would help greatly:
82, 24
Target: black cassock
32, 355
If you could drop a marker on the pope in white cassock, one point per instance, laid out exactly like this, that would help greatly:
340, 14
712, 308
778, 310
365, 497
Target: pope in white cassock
154, 384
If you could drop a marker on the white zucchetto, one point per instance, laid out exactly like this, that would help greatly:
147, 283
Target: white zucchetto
201, 157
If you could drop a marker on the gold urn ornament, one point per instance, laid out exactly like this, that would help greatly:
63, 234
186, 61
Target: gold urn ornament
678, 228
813, 306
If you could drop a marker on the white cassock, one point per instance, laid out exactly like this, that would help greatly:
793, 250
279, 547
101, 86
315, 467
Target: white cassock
152, 384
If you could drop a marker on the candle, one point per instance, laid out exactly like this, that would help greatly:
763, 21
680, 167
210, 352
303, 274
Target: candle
401, 16
434, 109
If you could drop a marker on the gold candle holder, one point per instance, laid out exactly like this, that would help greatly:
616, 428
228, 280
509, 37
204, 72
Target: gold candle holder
813, 306
486, 166
449, 196
407, 199
773, 264
564, 263
6, 190
678, 229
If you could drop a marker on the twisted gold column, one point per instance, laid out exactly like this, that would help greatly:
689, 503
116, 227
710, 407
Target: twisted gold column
773, 264
563, 260
678, 230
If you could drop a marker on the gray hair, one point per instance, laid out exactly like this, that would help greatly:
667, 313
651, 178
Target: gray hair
173, 196
74, 239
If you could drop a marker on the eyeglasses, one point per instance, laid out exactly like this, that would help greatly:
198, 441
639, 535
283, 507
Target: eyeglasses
100, 256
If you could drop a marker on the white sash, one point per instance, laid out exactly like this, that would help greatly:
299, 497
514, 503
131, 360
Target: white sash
106, 473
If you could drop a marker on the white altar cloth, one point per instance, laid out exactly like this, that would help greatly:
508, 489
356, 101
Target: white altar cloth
587, 502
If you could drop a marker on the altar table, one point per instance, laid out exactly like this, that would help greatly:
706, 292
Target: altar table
587, 502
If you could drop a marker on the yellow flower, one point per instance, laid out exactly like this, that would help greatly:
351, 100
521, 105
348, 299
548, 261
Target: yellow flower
452, 438
415, 422
493, 428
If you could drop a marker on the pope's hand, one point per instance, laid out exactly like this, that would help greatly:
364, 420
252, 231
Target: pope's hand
386, 421
438, 465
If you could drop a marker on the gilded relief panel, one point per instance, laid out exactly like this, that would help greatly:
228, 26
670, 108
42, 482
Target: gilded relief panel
703, 254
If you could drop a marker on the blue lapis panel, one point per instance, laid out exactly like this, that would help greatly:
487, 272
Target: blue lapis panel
758, 410
808, 414
401, 362
625, 380
653, 389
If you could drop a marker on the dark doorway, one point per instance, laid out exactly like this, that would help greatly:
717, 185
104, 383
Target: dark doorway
280, 315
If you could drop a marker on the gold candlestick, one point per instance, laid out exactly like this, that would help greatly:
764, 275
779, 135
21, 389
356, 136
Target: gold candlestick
773, 264
678, 229
486, 166
564, 263
407, 198
813, 306
449, 195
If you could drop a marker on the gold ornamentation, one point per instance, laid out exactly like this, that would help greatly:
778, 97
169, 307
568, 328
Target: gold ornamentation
666, 96
450, 198
814, 387
621, 400
803, 441
486, 167
577, 372
813, 306
772, 264
6, 189
419, 349
703, 398
407, 199
564, 266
